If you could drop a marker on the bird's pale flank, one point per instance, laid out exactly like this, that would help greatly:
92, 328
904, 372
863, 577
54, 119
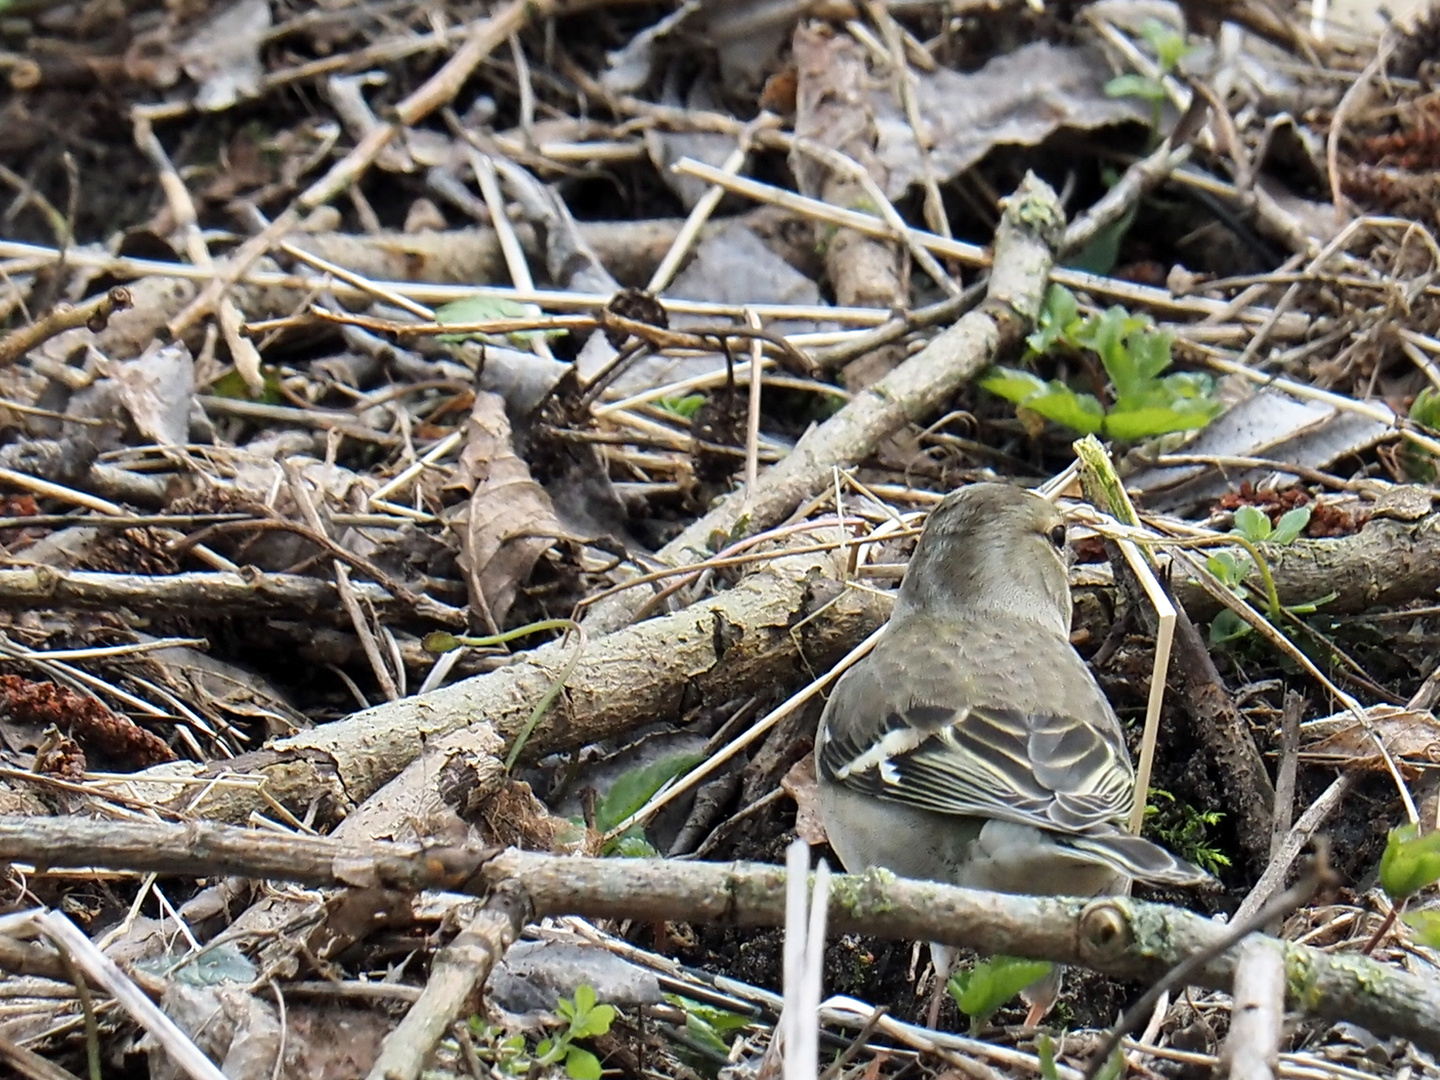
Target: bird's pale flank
973, 746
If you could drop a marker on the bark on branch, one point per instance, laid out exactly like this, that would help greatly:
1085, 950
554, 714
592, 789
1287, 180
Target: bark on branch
1122, 938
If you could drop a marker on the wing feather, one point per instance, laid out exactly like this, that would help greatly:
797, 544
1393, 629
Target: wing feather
910, 726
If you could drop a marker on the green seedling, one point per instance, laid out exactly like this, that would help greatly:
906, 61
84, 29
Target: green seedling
708, 1026
1144, 401
683, 407
1411, 862
481, 309
583, 1018
1253, 526
988, 985
1170, 48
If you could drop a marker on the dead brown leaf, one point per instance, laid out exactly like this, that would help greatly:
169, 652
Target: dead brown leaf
799, 783
1412, 736
508, 521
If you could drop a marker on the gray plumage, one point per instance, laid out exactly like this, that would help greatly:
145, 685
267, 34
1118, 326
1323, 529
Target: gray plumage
973, 745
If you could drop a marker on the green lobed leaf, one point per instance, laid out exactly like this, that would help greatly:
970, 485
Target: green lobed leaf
1012, 384
1081, 412
1151, 351
1131, 424
1253, 524
1291, 524
581, 1064
1227, 626
584, 998
1410, 863
1057, 314
596, 1022
1231, 568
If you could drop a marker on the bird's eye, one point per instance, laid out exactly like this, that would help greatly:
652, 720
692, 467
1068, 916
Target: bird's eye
1057, 536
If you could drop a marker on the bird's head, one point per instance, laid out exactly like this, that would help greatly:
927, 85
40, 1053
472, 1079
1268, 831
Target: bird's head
991, 547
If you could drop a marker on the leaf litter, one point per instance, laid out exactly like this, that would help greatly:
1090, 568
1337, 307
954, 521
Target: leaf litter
232, 518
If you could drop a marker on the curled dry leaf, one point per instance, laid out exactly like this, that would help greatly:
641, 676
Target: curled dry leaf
799, 784
508, 521
1412, 736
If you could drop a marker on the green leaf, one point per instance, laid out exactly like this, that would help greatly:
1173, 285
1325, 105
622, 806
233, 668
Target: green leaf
633, 789
1291, 524
1058, 402
1169, 44
708, 1025
1151, 351
1410, 863
1053, 400
584, 998
684, 407
1140, 86
1105, 334
1059, 311
631, 846
581, 1064
1131, 424
474, 309
720, 1019
1102, 251
1045, 1050
232, 385
991, 983
1426, 409
597, 1022
478, 308
1012, 384
1253, 524
1426, 925
1227, 626
1231, 568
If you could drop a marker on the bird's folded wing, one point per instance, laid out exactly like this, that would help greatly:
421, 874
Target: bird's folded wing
1050, 770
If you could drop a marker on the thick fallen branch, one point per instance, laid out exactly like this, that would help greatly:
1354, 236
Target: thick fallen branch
725, 646
748, 637
1119, 937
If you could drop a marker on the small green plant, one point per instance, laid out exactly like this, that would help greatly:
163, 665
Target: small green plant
1145, 401
584, 1019
1411, 862
982, 989
629, 793
1170, 48
1253, 526
683, 407
709, 1026
1185, 830
1419, 463
479, 309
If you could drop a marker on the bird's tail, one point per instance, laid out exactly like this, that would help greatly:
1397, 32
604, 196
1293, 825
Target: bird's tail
1142, 860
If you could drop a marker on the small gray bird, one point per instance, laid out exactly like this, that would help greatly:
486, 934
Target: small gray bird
972, 745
